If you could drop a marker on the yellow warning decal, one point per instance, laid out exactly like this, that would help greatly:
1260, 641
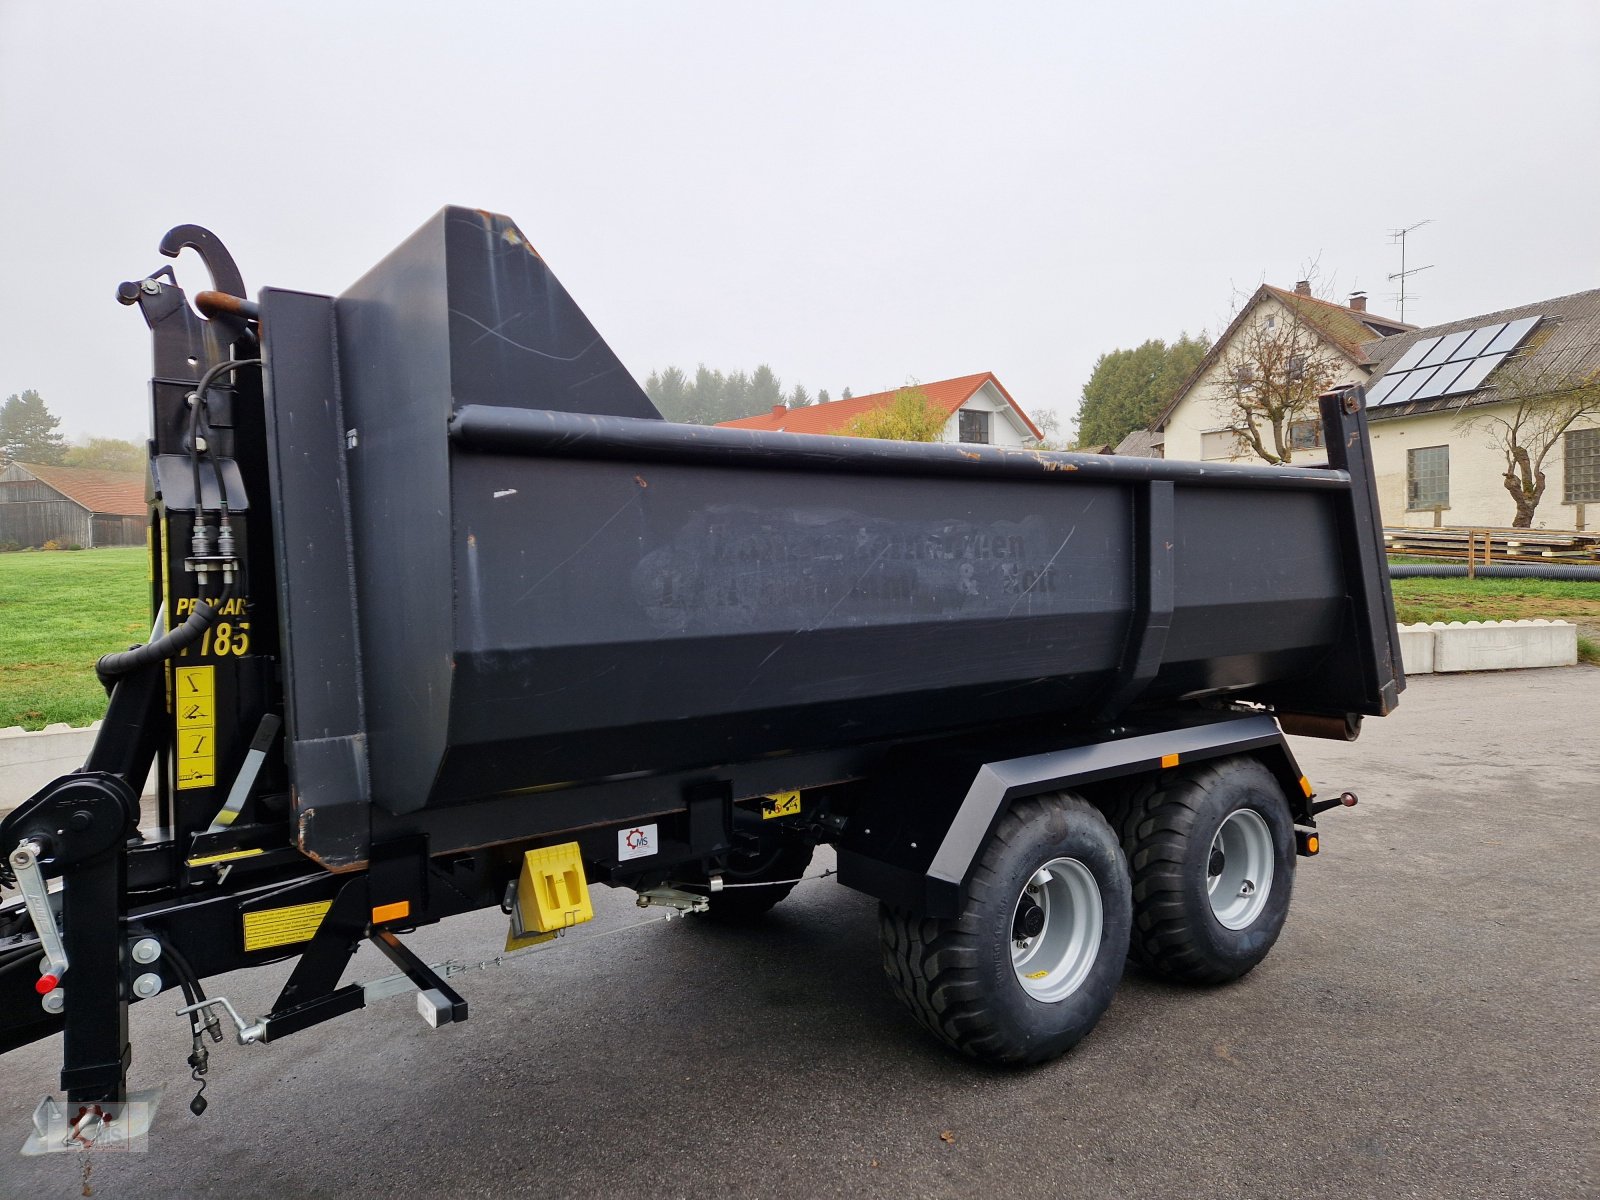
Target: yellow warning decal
227, 856
284, 926
1038, 974
195, 699
781, 804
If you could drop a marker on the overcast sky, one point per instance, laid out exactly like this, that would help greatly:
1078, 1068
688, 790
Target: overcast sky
857, 194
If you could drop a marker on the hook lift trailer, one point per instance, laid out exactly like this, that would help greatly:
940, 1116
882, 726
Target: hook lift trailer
448, 618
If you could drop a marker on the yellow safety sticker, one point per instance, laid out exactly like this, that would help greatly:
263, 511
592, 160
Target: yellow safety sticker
228, 856
1038, 974
780, 804
195, 701
284, 926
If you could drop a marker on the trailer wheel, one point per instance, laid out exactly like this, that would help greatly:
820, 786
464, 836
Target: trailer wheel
1211, 851
1032, 962
777, 865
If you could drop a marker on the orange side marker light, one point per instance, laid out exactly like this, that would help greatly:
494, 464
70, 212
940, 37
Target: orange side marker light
391, 912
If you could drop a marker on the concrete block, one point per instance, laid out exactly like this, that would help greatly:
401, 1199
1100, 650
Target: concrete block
1416, 649
1503, 645
31, 759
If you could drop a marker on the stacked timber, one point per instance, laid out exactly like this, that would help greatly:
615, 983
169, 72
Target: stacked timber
1495, 545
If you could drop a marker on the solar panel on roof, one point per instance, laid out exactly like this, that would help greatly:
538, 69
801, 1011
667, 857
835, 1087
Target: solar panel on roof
1382, 388
1414, 355
1443, 379
1445, 350
1511, 336
1408, 387
1479, 341
1451, 364
1477, 371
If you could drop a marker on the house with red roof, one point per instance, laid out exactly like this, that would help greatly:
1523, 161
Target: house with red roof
71, 506
980, 410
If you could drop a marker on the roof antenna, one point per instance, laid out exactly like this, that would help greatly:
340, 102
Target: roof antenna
1399, 235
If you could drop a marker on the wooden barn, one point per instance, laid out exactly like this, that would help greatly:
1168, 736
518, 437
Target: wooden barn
71, 506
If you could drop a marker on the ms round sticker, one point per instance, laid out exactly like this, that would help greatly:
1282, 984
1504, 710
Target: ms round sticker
636, 842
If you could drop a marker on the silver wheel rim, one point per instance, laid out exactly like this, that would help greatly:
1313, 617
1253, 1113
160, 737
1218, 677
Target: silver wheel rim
1239, 869
1053, 963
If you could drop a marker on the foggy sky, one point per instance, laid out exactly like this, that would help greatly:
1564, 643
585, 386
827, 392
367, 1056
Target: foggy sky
857, 194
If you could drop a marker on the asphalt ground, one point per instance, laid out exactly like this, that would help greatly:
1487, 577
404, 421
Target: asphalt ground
1426, 1027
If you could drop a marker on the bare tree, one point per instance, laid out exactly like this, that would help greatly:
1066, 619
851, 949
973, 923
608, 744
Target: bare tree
1540, 400
1268, 379
1048, 422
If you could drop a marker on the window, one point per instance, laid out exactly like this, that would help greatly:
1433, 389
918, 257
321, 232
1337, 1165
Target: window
1583, 466
1221, 443
1305, 435
974, 427
1297, 367
1428, 477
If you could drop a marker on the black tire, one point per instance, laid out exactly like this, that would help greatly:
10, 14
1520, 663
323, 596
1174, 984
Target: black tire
778, 860
957, 976
1168, 830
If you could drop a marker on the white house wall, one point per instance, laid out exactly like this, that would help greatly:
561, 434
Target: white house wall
1203, 410
1477, 493
1477, 496
1005, 427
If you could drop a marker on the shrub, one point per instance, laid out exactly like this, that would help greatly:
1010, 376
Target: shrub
10, 547
74, 546
52, 544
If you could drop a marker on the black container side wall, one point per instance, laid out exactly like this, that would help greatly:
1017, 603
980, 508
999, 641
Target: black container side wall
550, 595
394, 341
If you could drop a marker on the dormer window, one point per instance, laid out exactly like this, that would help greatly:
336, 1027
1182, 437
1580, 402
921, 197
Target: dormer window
974, 427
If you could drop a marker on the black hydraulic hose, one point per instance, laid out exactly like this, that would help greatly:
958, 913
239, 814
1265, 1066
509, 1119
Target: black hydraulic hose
204, 616
1495, 571
121, 662
185, 971
196, 416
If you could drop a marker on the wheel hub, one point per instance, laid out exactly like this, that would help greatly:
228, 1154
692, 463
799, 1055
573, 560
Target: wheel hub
1056, 930
1239, 869
1029, 921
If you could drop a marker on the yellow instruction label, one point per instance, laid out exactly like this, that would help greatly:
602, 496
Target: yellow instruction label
781, 804
195, 701
284, 926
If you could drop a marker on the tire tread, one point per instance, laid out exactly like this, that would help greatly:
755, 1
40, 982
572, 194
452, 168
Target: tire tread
931, 964
1156, 824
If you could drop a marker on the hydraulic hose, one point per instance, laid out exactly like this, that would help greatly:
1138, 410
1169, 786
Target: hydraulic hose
122, 662
204, 616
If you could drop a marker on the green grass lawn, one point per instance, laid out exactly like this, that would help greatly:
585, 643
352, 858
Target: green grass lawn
1504, 600
59, 612
1496, 600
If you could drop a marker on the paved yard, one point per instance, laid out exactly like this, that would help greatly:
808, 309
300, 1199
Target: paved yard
1427, 1027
